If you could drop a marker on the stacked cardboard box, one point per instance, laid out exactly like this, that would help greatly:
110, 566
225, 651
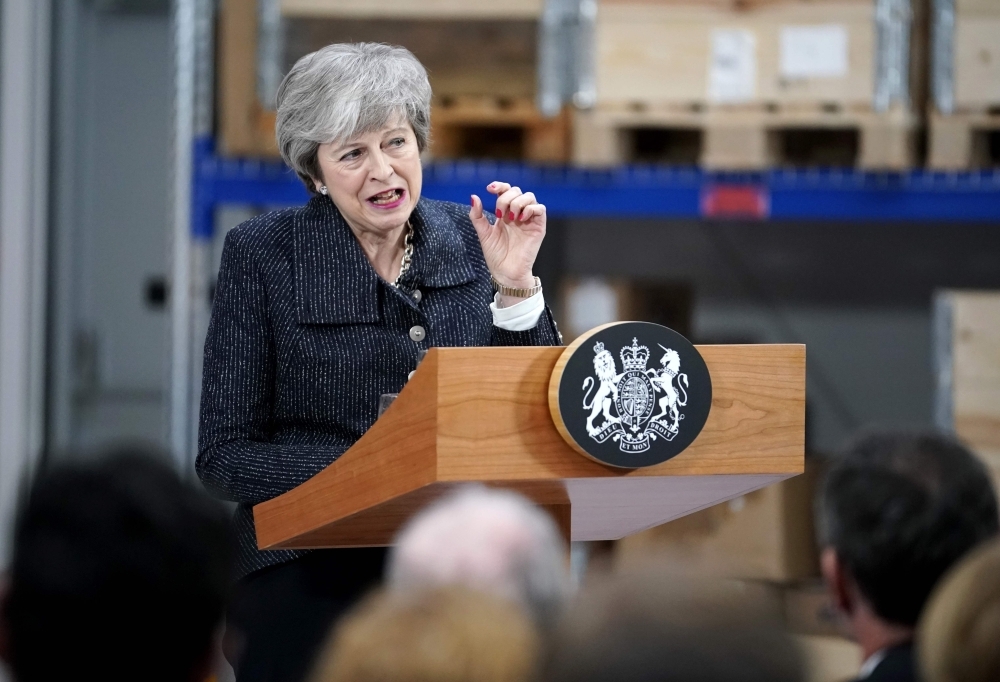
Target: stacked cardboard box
965, 121
967, 352
762, 82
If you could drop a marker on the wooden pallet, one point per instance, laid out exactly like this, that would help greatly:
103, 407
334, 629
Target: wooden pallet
964, 141
245, 127
497, 127
462, 57
417, 9
480, 127
482, 73
748, 138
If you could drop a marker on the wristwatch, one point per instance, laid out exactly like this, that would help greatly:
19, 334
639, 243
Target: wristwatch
514, 292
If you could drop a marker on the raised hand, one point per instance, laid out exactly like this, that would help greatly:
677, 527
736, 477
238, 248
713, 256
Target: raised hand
511, 244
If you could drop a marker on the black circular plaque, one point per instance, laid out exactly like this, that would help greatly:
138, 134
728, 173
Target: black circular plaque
630, 394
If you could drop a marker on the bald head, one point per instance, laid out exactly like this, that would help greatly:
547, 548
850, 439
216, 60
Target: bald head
490, 540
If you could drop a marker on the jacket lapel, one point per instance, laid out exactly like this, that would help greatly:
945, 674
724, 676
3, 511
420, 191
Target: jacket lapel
334, 282
440, 258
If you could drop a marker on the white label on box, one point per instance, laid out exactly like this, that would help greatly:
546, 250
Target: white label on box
814, 51
732, 72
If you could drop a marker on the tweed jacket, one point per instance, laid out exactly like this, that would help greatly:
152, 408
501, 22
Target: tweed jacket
305, 336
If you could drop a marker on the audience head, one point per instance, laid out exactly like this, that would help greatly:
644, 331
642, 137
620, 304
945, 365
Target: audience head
449, 634
959, 631
119, 570
492, 540
895, 511
664, 627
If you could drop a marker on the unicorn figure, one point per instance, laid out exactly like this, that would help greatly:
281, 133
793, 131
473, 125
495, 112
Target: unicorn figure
663, 380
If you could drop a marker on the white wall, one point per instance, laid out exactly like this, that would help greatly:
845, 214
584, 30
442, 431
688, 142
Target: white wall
114, 102
858, 295
24, 90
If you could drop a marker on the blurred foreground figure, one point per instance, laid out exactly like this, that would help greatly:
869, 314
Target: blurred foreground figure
448, 634
959, 634
662, 627
119, 572
896, 511
491, 540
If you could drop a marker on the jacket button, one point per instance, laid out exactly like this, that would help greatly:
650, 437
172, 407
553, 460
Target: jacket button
417, 295
417, 333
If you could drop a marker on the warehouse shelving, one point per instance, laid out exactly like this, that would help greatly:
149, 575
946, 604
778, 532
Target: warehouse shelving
642, 191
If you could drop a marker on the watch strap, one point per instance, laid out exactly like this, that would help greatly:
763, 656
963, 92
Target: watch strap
516, 292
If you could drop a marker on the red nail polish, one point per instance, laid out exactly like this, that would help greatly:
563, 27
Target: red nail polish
520, 218
499, 213
472, 202
510, 215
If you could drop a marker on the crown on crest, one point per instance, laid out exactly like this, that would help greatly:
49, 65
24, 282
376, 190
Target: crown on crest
599, 347
635, 356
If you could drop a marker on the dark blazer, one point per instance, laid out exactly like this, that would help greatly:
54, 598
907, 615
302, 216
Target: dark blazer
898, 665
305, 336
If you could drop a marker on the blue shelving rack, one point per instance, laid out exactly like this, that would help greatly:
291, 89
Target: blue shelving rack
642, 191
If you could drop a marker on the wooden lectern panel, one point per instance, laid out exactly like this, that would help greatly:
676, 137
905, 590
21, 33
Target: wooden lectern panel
481, 414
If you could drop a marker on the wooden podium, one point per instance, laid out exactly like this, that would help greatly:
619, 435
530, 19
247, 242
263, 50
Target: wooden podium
482, 414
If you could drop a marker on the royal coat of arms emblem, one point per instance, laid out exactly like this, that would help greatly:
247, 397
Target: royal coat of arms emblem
639, 404
622, 404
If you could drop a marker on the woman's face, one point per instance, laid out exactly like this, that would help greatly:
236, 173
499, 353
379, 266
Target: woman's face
375, 178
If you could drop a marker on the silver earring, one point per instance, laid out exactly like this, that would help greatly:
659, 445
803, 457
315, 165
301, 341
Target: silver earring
323, 190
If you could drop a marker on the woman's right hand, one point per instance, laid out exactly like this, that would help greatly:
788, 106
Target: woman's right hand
510, 245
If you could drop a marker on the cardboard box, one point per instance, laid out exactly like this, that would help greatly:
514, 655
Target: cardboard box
784, 52
411, 8
829, 659
967, 364
966, 115
757, 83
591, 301
765, 535
967, 355
808, 610
482, 62
805, 609
976, 55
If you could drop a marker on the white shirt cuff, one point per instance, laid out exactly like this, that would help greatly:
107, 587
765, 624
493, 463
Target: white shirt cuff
520, 317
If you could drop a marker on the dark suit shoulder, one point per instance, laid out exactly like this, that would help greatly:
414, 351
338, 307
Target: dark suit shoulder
897, 666
265, 232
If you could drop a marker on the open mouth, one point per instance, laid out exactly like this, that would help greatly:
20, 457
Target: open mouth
390, 198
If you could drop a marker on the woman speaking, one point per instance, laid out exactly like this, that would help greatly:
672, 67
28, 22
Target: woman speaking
321, 309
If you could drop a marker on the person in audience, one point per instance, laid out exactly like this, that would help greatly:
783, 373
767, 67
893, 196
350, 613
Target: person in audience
661, 626
492, 540
895, 512
958, 638
448, 634
119, 572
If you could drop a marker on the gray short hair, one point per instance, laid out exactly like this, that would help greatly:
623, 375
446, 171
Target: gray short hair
486, 539
345, 90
